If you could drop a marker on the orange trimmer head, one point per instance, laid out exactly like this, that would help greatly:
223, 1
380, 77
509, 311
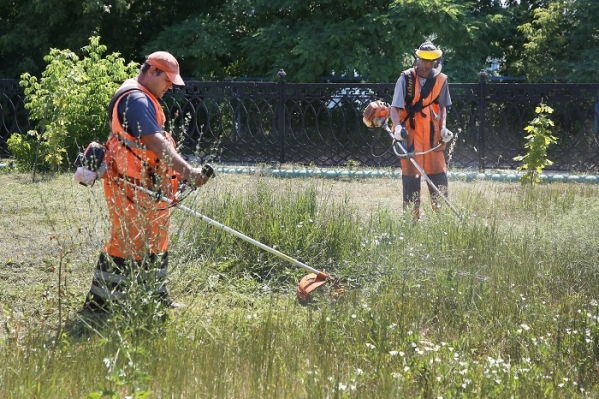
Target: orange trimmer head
314, 280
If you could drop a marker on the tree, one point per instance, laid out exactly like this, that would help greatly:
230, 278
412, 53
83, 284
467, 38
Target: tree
562, 42
28, 29
310, 39
69, 103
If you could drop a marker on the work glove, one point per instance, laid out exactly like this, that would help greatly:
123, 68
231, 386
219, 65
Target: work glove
446, 135
400, 133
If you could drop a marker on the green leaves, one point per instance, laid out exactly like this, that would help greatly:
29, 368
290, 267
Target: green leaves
69, 104
538, 140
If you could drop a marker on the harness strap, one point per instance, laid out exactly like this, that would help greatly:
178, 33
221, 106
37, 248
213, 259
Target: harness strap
412, 107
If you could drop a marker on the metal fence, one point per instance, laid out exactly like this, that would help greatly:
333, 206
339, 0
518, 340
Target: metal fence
249, 122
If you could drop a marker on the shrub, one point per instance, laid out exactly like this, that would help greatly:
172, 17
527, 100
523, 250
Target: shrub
68, 105
539, 139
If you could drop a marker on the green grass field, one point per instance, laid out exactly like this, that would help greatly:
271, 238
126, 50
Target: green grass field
503, 304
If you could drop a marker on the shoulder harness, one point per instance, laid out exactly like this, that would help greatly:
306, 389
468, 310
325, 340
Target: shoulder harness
412, 107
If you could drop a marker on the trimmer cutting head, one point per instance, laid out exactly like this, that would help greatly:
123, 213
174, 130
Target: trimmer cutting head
312, 281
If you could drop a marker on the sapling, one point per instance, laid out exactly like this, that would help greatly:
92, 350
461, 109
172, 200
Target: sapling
538, 140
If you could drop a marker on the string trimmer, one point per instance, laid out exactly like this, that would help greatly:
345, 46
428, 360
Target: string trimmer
309, 283
376, 115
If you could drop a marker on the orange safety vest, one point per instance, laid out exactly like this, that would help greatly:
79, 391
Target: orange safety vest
425, 133
139, 222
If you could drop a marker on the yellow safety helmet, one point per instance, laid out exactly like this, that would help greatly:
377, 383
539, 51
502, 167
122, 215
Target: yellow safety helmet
428, 51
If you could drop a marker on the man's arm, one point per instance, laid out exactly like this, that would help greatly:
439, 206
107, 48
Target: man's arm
443, 117
165, 151
394, 115
398, 99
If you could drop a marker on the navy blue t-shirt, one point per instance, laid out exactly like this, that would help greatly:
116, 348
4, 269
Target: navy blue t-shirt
138, 114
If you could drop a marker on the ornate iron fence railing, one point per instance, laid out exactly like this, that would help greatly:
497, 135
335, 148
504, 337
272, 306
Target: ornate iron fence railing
321, 123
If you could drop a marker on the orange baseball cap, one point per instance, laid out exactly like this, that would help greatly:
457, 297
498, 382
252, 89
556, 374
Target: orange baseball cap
166, 62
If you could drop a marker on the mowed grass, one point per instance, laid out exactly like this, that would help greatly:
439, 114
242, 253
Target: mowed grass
500, 304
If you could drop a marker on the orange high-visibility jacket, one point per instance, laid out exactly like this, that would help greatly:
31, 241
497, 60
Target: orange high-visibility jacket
426, 131
139, 223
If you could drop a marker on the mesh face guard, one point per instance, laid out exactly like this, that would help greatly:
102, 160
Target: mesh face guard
429, 52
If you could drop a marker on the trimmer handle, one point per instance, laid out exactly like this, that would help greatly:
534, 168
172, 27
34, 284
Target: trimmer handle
208, 170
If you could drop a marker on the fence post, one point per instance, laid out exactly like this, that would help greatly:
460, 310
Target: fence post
481, 118
281, 115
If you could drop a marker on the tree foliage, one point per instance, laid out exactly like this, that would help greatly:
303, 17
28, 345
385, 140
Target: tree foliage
562, 42
313, 39
538, 140
69, 103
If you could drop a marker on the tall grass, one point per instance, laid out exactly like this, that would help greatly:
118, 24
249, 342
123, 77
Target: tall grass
500, 304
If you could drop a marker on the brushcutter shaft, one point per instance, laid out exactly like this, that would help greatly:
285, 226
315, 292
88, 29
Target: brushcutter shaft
419, 168
225, 228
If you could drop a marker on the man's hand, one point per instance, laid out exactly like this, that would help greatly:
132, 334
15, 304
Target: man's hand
197, 177
400, 132
446, 135
169, 155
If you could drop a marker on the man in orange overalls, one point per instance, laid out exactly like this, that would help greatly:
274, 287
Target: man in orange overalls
140, 152
419, 105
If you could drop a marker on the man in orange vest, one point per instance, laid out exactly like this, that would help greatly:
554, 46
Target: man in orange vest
418, 112
140, 152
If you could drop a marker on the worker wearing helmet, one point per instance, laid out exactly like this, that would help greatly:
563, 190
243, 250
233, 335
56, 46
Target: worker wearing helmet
420, 101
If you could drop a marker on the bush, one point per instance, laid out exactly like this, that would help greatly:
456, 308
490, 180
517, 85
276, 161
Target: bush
538, 140
69, 105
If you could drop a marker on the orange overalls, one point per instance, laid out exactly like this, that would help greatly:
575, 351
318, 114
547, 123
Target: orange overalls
138, 242
424, 132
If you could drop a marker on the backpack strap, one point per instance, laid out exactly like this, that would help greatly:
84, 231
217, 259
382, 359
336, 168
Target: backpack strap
120, 92
113, 103
412, 107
